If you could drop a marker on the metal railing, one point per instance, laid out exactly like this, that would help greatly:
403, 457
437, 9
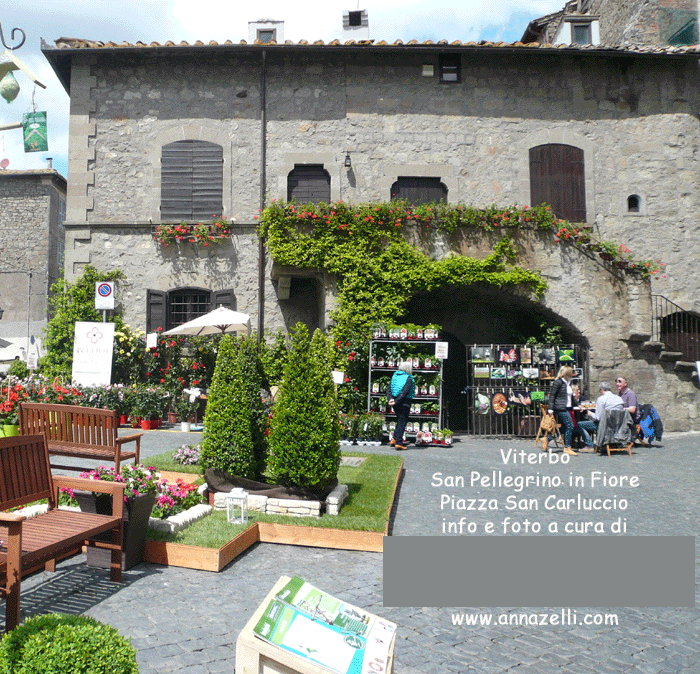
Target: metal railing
675, 327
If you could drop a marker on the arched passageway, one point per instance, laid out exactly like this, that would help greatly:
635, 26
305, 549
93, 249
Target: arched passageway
479, 315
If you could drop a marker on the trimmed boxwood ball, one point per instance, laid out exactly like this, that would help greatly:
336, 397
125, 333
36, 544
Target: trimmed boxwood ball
233, 439
305, 427
66, 644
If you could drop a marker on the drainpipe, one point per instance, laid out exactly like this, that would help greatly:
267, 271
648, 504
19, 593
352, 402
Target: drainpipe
263, 187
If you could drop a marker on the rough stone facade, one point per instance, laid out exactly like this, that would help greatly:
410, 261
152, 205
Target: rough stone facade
652, 22
632, 114
32, 204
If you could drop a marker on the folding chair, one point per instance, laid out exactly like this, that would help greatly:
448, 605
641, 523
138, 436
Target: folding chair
549, 428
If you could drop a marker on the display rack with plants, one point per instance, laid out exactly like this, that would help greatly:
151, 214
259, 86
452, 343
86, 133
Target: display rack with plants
385, 356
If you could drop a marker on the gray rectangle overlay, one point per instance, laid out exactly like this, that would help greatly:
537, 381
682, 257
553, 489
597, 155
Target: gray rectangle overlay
552, 571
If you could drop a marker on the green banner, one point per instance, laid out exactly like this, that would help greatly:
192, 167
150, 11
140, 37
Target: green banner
35, 134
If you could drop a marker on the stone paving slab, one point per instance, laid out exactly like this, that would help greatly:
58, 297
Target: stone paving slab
187, 620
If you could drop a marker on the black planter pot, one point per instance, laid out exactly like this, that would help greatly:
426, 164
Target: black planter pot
137, 510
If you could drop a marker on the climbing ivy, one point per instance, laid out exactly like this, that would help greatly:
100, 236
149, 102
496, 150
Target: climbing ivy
378, 270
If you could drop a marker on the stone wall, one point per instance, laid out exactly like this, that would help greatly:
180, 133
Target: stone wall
633, 116
30, 239
650, 22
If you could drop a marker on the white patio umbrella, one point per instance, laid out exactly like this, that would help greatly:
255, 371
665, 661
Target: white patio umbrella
220, 320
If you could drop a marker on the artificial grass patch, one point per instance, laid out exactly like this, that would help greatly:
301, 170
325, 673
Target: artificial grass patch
371, 491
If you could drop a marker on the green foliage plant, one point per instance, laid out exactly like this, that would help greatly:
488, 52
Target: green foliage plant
70, 303
18, 368
305, 426
235, 421
66, 644
378, 270
273, 357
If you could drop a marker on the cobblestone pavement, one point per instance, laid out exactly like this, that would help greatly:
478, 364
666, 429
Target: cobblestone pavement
186, 620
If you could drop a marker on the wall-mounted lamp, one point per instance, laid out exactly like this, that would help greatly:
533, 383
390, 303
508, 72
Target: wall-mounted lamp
348, 161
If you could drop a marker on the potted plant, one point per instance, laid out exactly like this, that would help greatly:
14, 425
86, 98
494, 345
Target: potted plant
9, 409
185, 410
393, 356
139, 499
447, 437
376, 423
607, 250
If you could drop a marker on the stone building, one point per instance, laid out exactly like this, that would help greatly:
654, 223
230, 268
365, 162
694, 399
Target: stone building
32, 212
170, 132
618, 22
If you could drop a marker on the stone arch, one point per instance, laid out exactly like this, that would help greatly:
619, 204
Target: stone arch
482, 315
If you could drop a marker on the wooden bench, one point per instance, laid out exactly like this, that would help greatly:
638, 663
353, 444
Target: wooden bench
28, 544
82, 432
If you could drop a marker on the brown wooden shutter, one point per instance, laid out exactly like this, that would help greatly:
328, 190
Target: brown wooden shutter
309, 183
419, 190
155, 310
191, 181
557, 177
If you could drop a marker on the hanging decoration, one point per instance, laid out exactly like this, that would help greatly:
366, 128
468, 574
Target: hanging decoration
9, 87
35, 133
21, 39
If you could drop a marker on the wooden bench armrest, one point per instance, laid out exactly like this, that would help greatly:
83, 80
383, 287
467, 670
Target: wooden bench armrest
87, 484
9, 518
128, 438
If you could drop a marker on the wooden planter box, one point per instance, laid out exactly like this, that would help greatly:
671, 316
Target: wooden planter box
213, 559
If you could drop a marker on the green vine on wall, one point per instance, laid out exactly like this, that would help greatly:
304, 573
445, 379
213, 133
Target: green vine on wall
378, 271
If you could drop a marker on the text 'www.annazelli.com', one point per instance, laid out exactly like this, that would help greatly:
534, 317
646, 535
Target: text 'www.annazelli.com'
566, 616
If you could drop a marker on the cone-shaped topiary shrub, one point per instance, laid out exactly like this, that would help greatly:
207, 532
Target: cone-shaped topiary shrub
233, 439
305, 428
66, 644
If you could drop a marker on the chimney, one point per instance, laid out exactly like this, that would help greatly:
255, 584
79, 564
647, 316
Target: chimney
49, 162
266, 30
355, 25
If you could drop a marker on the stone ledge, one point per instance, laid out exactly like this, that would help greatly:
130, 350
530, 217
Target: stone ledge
181, 520
670, 356
684, 366
639, 337
292, 507
652, 346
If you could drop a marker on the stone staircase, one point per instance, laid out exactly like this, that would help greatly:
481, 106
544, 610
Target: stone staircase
666, 356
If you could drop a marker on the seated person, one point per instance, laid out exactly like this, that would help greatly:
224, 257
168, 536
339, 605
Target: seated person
606, 401
629, 398
576, 392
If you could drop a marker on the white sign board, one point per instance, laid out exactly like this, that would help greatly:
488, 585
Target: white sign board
152, 340
93, 347
32, 361
104, 295
441, 350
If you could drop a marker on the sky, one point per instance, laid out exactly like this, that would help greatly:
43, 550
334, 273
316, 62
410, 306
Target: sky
177, 20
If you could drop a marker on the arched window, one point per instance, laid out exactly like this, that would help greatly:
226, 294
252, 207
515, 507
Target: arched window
418, 190
309, 183
191, 181
633, 202
557, 178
